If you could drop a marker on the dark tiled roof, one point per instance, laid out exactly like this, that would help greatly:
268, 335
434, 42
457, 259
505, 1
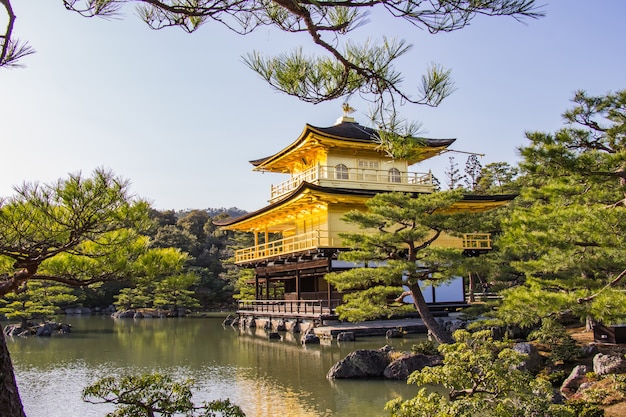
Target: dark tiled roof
354, 132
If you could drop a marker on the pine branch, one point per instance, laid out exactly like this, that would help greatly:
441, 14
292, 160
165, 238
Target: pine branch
609, 285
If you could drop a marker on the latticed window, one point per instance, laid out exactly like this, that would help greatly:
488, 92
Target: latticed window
368, 164
394, 175
341, 172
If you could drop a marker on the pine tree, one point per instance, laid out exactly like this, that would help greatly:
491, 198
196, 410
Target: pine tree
568, 232
78, 231
453, 174
36, 301
399, 231
473, 170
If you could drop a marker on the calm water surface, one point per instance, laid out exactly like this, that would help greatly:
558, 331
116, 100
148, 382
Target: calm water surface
266, 378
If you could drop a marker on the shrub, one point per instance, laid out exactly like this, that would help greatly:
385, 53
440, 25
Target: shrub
555, 337
425, 347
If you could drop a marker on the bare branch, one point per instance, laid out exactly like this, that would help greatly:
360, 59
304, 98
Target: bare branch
11, 50
612, 283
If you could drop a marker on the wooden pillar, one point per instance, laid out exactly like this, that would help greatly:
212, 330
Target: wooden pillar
329, 294
256, 244
297, 284
267, 287
329, 269
256, 286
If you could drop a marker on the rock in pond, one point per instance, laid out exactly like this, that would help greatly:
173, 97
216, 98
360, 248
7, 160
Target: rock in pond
362, 363
408, 363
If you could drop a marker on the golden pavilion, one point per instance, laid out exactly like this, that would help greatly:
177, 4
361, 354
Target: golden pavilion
331, 170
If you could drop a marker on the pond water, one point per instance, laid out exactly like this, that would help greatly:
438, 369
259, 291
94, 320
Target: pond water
265, 378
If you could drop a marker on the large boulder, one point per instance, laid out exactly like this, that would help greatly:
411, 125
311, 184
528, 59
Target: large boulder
394, 333
345, 337
589, 350
408, 363
609, 364
123, 314
574, 380
362, 363
533, 362
46, 329
310, 339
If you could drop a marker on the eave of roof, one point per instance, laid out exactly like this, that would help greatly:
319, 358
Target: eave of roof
345, 131
292, 196
467, 199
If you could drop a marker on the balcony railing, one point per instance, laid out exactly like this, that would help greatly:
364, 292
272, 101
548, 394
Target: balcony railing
310, 240
353, 176
285, 308
321, 239
477, 241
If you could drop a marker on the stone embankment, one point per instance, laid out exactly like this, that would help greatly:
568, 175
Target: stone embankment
381, 363
584, 378
46, 329
149, 313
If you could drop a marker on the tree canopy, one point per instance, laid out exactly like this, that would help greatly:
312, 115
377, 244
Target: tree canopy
398, 235
154, 394
78, 231
567, 233
483, 377
345, 69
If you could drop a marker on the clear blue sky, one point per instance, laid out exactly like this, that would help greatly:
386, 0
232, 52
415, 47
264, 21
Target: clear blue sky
180, 115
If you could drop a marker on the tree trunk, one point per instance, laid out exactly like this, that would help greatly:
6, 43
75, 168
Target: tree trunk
436, 330
10, 402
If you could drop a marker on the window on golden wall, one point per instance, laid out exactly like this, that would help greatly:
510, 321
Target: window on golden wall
394, 175
341, 172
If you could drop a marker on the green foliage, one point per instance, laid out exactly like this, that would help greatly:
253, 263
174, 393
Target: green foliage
606, 390
173, 292
584, 409
529, 304
150, 395
553, 376
473, 170
567, 232
497, 178
475, 311
397, 237
78, 231
425, 347
562, 346
399, 139
346, 67
453, 174
371, 303
481, 377
36, 300
245, 290
207, 249
172, 236
132, 298
169, 293
485, 324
